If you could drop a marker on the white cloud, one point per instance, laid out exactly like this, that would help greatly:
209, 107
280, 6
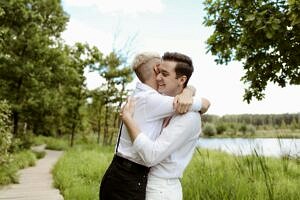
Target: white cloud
117, 6
79, 32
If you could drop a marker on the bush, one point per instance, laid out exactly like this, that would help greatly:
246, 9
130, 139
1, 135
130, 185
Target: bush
23, 141
251, 129
5, 132
221, 128
209, 129
243, 128
20, 160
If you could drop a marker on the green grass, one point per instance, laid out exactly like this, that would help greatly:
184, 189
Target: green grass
63, 143
78, 173
20, 160
211, 175
216, 175
52, 143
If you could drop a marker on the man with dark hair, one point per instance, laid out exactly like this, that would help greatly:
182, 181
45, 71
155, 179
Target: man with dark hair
170, 153
126, 176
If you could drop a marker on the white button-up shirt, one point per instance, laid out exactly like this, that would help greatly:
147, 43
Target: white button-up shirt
171, 152
150, 110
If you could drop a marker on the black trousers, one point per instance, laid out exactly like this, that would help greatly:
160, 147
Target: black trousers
124, 180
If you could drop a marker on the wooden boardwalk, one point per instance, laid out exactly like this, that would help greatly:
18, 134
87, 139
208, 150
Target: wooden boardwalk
35, 182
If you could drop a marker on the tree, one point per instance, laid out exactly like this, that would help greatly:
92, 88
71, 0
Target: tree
5, 134
80, 56
95, 110
116, 74
29, 30
263, 34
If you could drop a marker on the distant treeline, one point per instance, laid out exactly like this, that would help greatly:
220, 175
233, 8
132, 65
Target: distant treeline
258, 120
251, 124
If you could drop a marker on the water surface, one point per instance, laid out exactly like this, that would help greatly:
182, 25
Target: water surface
245, 146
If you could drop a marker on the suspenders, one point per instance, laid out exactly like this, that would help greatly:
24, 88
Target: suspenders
118, 142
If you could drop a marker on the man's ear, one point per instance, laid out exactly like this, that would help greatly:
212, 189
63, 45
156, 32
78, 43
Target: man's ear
182, 80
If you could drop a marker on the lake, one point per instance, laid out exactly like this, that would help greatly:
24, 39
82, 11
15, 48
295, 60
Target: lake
245, 146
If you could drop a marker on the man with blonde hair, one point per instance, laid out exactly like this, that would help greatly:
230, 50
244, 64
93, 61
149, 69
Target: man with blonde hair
169, 153
126, 177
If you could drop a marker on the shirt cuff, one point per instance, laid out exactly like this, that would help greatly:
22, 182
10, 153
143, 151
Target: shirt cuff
197, 104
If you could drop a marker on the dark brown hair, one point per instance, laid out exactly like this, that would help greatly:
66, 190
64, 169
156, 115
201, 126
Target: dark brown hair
184, 64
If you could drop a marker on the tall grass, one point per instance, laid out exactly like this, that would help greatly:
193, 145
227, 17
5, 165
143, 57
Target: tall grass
52, 143
78, 173
212, 175
20, 160
216, 175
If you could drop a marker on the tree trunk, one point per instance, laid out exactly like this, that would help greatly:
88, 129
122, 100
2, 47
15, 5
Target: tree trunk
99, 125
105, 138
73, 134
16, 121
16, 113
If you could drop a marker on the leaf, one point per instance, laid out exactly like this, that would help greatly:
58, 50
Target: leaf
250, 18
296, 21
239, 2
275, 26
269, 35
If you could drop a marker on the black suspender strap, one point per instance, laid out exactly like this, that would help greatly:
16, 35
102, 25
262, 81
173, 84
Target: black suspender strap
120, 131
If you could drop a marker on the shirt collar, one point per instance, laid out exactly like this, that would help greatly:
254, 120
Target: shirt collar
142, 86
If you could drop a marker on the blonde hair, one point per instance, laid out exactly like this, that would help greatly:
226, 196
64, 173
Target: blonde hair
139, 64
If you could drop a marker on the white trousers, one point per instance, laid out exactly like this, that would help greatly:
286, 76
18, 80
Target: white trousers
163, 189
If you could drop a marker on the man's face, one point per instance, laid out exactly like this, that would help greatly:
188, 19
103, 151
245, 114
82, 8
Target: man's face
166, 79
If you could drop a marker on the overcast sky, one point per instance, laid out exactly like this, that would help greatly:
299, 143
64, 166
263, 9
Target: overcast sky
168, 25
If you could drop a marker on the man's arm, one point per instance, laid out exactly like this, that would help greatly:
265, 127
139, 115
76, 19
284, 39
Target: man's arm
160, 106
205, 106
127, 117
183, 101
172, 137
128, 109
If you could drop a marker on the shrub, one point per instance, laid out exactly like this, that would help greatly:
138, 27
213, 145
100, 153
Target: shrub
5, 132
251, 129
243, 128
221, 128
209, 129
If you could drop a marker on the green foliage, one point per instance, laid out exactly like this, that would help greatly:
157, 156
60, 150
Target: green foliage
109, 97
258, 120
209, 129
243, 128
39, 154
43, 79
29, 30
53, 143
221, 128
5, 132
214, 175
20, 160
250, 129
78, 173
211, 175
256, 125
263, 34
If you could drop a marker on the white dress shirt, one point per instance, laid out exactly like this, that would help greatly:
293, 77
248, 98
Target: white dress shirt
171, 152
150, 110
